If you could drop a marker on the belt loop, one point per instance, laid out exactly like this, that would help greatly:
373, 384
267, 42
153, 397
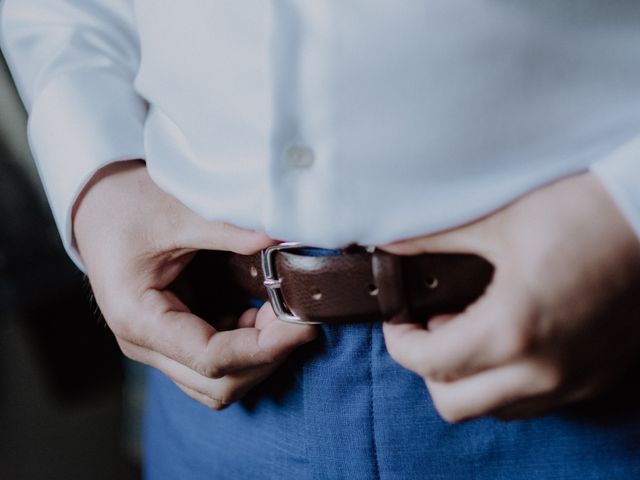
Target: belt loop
387, 275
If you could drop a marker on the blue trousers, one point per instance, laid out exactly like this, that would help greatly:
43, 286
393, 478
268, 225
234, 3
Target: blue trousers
342, 408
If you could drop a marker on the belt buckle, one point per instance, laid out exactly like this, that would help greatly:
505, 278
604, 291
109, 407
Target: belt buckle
273, 284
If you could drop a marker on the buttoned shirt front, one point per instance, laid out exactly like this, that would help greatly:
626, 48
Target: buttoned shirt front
332, 122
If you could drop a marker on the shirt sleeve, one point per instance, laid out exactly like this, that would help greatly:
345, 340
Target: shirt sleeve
620, 174
74, 63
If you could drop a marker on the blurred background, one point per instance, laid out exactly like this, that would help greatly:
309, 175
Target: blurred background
69, 405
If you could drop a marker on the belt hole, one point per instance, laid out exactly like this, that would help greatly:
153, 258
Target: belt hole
253, 271
316, 295
373, 290
431, 282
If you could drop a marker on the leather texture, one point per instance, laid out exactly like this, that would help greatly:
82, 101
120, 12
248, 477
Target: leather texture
356, 285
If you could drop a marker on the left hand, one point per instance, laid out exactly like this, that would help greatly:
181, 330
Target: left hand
560, 321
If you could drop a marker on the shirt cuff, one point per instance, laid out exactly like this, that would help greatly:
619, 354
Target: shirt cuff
80, 122
619, 172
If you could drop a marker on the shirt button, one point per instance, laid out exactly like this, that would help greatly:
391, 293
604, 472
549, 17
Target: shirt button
299, 156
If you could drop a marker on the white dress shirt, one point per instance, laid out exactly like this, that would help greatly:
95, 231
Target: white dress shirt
334, 121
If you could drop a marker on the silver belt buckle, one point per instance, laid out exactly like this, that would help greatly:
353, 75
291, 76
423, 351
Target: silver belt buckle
273, 284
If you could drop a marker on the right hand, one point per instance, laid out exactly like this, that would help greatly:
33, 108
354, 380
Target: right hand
134, 240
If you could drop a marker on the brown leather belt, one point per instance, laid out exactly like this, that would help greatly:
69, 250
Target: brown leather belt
310, 285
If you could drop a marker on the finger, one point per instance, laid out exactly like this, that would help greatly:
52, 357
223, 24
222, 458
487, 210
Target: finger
228, 390
266, 316
423, 352
196, 232
201, 398
248, 319
486, 335
476, 237
491, 390
281, 336
438, 321
452, 351
232, 322
186, 338
221, 391
187, 229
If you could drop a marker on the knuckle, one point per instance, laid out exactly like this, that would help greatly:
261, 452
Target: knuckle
245, 248
141, 326
447, 409
224, 352
225, 397
517, 340
125, 328
449, 413
205, 400
122, 322
215, 360
269, 356
212, 368
216, 404
439, 376
209, 370
427, 369
229, 399
417, 363
120, 327
551, 380
127, 350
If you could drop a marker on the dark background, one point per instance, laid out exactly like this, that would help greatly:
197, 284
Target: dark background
69, 404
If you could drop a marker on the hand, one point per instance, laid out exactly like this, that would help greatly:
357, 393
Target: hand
134, 240
560, 321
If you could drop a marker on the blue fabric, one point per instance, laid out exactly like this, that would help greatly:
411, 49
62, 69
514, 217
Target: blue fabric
342, 408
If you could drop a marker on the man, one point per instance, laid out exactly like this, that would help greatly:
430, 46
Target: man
506, 131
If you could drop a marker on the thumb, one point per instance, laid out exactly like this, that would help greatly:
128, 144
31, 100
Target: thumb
198, 233
280, 337
481, 237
